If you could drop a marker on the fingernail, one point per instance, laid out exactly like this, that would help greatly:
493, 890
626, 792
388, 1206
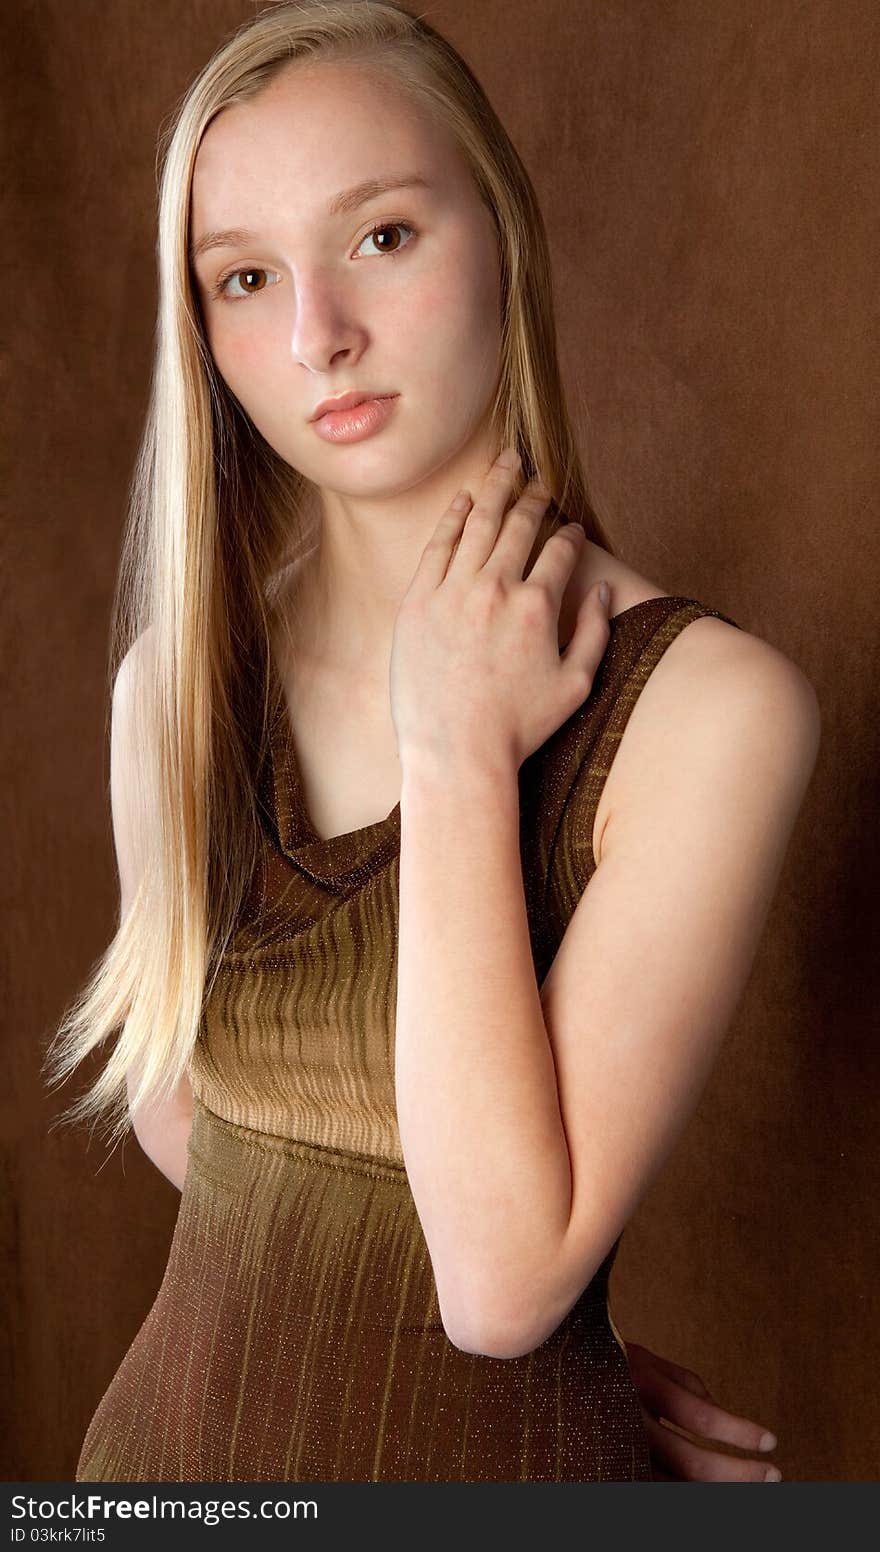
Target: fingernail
772, 1474
604, 594
509, 458
462, 501
767, 1441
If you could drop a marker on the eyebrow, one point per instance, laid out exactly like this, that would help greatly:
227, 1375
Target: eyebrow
340, 204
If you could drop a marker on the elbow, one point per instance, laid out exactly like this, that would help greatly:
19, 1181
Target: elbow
495, 1333
512, 1327
490, 1339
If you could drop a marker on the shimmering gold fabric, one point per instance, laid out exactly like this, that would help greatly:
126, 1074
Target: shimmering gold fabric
296, 1335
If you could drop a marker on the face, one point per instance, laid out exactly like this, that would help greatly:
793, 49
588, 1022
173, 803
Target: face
396, 295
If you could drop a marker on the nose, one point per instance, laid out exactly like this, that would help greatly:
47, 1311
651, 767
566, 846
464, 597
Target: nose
325, 328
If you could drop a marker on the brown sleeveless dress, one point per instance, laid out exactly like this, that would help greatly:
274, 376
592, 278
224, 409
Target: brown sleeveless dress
296, 1335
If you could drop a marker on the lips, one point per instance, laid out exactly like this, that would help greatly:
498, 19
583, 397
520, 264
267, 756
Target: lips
361, 420
347, 401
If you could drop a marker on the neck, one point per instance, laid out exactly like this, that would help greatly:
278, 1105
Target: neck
350, 586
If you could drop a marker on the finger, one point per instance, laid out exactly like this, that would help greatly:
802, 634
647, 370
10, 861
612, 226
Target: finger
518, 530
690, 1462
589, 638
698, 1413
555, 562
436, 555
641, 1359
551, 574
487, 513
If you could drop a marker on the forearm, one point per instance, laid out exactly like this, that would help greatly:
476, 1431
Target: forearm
476, 1092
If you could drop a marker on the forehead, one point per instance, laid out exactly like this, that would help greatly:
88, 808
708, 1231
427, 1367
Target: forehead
317, 129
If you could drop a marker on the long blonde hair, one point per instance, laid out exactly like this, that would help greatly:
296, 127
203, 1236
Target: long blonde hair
215, 516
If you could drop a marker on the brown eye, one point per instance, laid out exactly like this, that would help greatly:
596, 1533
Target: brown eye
380, 235
237, 275
222, 287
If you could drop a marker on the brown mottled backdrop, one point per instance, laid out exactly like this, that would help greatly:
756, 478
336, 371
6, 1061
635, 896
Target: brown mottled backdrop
708, 175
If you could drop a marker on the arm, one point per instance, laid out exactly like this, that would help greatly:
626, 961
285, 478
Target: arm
162, 1130
533, 1122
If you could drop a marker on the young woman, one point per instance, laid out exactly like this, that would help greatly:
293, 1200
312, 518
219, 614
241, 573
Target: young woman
441, 871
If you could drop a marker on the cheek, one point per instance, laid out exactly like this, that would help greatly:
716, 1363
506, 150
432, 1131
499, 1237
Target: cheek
247, 369
237, 355
453, 316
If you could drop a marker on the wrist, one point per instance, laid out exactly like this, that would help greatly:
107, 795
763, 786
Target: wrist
433, 774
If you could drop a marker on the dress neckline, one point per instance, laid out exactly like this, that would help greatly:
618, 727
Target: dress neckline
355, 854
330, 860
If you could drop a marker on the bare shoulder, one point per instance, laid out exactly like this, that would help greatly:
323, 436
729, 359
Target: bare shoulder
707, 649
718, 695
711, 661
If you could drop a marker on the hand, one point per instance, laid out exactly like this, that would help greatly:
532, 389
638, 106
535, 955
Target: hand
667, 1390
476, 671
